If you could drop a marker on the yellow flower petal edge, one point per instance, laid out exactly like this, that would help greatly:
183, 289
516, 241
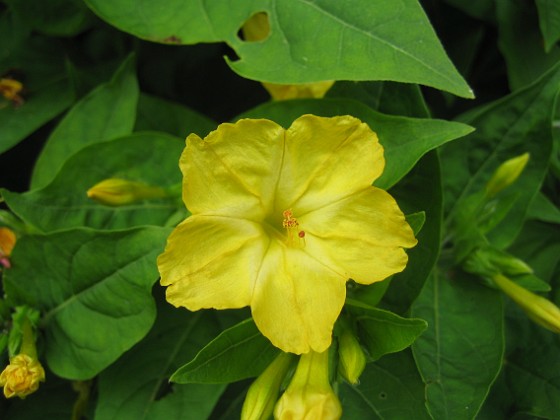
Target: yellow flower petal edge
281, 220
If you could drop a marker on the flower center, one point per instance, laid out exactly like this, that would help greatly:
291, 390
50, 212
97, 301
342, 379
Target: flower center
296, 236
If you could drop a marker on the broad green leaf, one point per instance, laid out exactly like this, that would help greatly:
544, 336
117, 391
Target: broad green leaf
364, 40
390, 388
518, 123
383, 332
160, 115
460, 354
94, 290
136, 387
151, 158
53, 17
521, 43
237, 353
106, 113
405, 140
549, 20
531, 371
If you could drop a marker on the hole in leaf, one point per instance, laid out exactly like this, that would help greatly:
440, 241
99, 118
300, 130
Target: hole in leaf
382, 395
256, 28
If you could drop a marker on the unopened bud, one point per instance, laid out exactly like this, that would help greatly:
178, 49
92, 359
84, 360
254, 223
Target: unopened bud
506, 174
540, 310
119, 192
352, 359
263, 393
488, 261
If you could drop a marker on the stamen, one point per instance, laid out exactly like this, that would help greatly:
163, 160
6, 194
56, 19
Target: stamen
296, 237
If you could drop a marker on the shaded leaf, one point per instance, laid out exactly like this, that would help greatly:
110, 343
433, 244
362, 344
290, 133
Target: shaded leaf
549, 20
107, 112
94, 290
521, 43
160, 115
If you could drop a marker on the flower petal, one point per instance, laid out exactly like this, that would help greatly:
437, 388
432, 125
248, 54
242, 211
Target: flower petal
361, 236
326, 159
212, 262
296, 300
234, 170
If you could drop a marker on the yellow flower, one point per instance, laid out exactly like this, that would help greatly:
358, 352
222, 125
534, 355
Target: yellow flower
119, 192
309, 395
256, 29
22, 376
281, 219
7, 242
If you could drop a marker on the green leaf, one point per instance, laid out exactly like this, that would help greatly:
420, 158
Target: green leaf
39, 63
160, 115
390, 388
94, 290
544, 210
136, 387
532, 368
106, 113
549, 20
538, 244
383, 332
425, 177
122, 158
405, 140
386, 97
518, 123
416, 221
521, 43
237, 353
364, 41
460, 354
53, 17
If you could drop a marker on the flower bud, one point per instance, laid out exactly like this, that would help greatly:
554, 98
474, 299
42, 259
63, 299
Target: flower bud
506, 174
119, 192
263, 393
488, 261
309, 395
539, 309
7, 242
22, 376
352, 359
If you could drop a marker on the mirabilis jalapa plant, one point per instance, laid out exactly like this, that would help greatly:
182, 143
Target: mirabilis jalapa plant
327, 244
